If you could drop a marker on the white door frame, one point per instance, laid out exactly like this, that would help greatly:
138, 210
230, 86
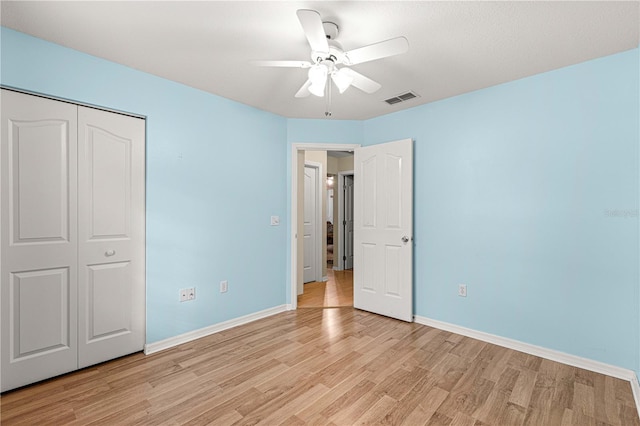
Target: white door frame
317, 249
293, 244
339, 253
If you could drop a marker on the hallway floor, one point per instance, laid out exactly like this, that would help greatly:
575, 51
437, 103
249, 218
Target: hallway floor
336, 292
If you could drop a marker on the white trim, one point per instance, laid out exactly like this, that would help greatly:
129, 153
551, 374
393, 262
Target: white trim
317, 249
71, 101
339, 254
635, 388
295, 147
550, 354
161, 345
337, 236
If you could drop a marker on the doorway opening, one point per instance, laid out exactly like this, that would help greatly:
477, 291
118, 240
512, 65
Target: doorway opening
383, 226
332, 283
335, 288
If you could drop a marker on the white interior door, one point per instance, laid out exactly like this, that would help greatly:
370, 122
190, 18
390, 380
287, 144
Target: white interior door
383, 229
111, 235
348, 222
310, 223
38, 252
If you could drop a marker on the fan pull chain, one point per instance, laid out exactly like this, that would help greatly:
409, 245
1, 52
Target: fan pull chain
327, 112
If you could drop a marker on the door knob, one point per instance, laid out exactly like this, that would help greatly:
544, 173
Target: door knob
109, 253
405, 239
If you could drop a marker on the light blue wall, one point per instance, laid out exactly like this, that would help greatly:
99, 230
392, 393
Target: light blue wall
517, 188
215, 174
324, 131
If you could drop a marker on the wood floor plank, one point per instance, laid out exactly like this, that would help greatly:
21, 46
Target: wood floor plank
497, 401
348, 389
539, 410
609, 401
376, 412
461, 419
523, 388
349, 398
583, 399
332, 368
413, 398
469, 393
295, 401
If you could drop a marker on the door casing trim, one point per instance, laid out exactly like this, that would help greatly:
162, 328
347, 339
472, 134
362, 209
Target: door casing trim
293, 247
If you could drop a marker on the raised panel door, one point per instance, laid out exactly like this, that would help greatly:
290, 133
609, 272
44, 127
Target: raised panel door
383, 228
111, 228
38, 250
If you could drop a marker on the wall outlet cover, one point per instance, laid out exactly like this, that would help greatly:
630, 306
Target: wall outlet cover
462, 290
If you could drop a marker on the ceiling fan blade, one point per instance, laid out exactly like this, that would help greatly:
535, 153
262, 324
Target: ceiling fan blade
361, 82
285, 64
383, 49
312, 25
304, 90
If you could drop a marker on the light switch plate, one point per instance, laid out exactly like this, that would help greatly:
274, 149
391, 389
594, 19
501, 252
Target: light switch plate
275, 220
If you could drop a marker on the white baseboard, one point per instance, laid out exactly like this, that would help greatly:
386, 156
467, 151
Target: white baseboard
325, 278
161, 345
550, 354
635, 387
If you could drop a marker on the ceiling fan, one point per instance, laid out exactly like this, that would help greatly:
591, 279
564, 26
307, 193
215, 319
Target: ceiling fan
327, 55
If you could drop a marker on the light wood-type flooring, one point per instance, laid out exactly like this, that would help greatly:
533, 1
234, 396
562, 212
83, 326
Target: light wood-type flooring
327, 366
336, 292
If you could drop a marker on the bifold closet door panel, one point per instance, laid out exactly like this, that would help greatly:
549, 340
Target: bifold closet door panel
38, 249
111, 319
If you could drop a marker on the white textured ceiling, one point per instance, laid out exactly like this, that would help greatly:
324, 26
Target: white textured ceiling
455, 47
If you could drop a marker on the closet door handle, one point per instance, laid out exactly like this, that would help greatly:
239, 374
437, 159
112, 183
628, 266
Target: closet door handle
109, 253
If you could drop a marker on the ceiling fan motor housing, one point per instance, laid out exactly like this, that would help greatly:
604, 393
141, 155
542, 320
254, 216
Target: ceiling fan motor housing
331, 30
335, 54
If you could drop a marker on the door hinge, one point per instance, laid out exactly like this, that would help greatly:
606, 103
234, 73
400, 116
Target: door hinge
344, 258
344, 222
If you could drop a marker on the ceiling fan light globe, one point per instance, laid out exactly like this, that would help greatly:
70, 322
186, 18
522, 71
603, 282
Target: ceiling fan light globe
318, 78
342, 80
317, 74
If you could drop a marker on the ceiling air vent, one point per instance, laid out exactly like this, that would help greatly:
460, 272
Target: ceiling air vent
401, 98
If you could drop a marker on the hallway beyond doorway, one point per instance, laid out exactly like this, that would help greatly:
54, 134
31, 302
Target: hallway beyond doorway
336, 292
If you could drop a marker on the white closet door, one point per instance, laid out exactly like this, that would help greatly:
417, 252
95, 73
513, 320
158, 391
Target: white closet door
111, 201
38, 249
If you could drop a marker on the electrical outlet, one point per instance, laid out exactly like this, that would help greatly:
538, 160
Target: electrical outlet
224, 286
187, 294
462, 290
